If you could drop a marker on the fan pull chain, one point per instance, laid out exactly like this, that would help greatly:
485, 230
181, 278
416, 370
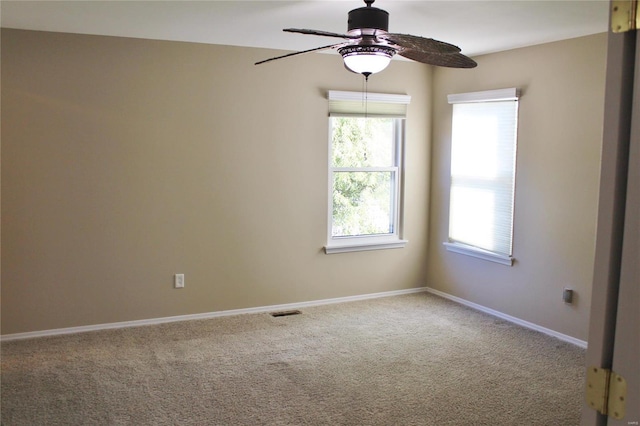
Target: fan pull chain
365, 97
365, 93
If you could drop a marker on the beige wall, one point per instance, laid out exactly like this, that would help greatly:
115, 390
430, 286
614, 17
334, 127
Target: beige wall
125, 161
559, 142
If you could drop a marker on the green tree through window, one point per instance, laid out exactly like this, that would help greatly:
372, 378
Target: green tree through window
364, 169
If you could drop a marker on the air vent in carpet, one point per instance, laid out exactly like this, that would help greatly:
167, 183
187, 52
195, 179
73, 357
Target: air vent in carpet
285, 313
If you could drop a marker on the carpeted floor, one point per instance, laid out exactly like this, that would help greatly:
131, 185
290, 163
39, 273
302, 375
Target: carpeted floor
406, 360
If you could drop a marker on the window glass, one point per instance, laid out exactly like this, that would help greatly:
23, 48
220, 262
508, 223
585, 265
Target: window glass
362, 203
362, 142
364, 176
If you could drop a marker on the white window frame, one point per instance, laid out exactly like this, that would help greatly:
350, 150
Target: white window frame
392, 240
511, 94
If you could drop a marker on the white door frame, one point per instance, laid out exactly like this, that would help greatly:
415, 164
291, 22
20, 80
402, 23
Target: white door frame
614, 336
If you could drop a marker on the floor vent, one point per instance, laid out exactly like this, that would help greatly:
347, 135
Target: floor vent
285, 313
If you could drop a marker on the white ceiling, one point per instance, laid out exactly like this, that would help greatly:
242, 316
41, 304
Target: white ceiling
478, 26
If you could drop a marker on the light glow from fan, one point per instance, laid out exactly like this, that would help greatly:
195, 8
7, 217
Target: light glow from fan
366, 60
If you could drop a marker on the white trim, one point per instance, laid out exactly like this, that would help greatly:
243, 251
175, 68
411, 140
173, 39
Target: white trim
345, 248
479, 253
393, 169
206, 315
511, 94
336, 95
289, 306
369, 115
518, 321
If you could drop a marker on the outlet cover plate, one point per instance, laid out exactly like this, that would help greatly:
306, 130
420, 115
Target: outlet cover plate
178, 280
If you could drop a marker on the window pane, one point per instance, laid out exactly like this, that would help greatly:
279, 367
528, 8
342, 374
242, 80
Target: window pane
483, 139
362, 142
362, 203
472, 217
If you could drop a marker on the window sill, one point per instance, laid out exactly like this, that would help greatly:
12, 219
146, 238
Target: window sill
479, 253
345, 248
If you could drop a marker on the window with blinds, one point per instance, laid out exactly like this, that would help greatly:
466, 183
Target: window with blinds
483, 165
365, 170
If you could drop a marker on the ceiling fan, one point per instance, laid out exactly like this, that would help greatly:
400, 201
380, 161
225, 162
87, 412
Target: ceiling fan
369, 47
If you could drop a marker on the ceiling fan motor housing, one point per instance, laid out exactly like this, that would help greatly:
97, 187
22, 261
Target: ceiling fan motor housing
368, 17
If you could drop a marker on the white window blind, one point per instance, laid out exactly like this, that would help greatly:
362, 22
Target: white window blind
483, 160
369, 104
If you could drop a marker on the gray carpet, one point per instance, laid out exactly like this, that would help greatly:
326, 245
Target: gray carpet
406, 360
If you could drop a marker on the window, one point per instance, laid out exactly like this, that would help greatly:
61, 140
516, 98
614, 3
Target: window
483, 163
365, 171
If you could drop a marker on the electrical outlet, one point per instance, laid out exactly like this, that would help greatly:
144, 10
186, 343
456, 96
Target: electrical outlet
178, 280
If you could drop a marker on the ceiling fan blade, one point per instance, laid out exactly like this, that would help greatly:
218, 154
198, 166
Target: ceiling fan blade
331, 46
321, 33
420, 44
451, 60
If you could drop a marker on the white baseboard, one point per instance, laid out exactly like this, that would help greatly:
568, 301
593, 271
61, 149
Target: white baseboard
289, 306
206, 315
523, 323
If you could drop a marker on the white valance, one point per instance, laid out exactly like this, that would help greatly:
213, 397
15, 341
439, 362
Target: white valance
370, 104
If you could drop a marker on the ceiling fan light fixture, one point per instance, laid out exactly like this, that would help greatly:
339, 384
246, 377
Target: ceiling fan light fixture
368, 46
368, 59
